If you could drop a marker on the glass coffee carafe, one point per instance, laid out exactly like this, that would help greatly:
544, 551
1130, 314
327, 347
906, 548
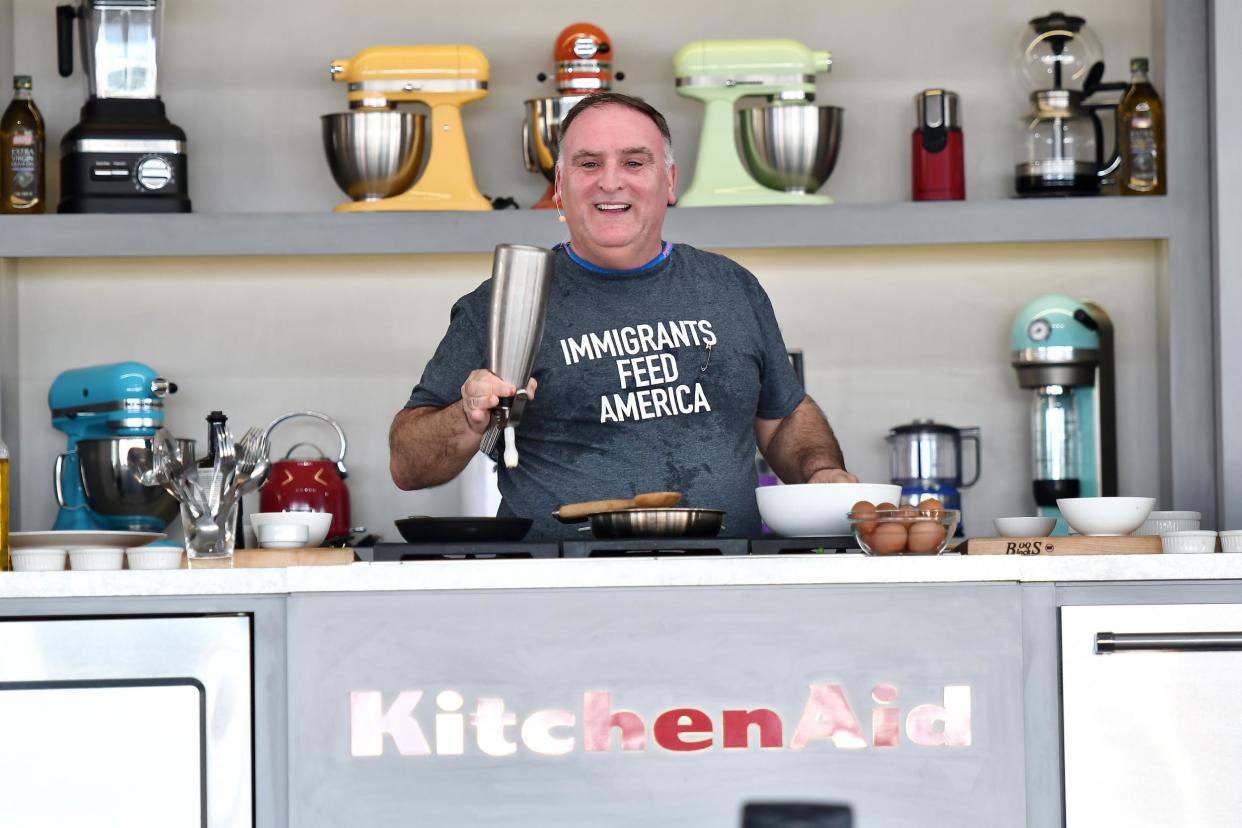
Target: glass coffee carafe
1062, 146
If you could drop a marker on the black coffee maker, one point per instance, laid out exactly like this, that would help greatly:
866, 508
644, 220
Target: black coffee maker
124, 155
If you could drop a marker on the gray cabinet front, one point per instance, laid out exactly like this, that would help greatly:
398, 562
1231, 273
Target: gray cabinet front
656, 706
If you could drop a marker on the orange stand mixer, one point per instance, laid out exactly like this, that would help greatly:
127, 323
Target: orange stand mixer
583, 54
375, 150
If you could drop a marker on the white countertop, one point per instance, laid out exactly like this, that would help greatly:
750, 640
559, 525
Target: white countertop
776, 570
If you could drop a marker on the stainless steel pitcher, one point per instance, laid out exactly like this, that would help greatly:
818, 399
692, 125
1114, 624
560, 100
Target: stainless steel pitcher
521, 280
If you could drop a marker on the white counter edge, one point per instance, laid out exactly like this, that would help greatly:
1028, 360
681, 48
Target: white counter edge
776, 570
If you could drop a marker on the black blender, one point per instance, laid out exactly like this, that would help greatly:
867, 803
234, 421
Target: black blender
124, 155
927, 462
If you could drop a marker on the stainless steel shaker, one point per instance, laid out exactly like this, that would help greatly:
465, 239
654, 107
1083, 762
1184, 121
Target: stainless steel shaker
521, 280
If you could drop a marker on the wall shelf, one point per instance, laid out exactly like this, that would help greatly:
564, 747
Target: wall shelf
842, 225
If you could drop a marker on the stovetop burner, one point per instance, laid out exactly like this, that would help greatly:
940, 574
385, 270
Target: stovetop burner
782, 546
458, 551
651, 547
606, 548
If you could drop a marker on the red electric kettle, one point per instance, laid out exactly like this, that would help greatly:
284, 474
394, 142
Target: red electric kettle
309, 484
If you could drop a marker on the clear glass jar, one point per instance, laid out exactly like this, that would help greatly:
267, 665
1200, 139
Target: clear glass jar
1057, 51
1060, 147
1054, 432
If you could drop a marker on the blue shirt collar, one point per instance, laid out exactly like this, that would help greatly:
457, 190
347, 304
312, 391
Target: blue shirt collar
665, 252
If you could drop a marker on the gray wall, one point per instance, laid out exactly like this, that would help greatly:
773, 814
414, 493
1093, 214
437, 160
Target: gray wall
1227, 221
349, 336
10, 365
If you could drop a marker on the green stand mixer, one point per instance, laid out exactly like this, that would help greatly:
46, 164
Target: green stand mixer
786, 145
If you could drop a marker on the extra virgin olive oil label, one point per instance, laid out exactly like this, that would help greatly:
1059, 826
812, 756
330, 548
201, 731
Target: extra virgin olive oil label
23, 168
1142, 152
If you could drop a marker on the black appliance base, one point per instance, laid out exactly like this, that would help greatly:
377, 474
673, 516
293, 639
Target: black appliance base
123, 204
795, 546
653, 547
457, 551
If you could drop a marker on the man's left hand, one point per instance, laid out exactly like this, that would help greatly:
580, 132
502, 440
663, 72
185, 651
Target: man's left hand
832, 476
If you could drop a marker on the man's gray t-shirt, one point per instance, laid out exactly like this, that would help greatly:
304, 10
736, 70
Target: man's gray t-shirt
649, 380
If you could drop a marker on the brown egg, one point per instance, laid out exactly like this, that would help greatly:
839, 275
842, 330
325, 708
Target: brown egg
908, 513
930, 504
888, 539
880, 507
860, 512
925, 536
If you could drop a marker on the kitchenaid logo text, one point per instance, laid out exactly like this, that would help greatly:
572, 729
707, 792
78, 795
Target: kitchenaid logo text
826, 717
648, 379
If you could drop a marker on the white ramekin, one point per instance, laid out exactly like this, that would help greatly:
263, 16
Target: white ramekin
1190, 542
154, 557
1231, 540
1162, 523
38, 560
96, 557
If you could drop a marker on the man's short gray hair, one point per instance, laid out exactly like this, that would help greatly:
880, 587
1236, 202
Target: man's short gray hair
599, 99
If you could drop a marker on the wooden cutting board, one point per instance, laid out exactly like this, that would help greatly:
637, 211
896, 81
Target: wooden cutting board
267, 558
1070, 545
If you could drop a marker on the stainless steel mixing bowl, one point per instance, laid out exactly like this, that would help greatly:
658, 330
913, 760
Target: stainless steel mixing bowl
789, 146
374, 154
541, 132
110, 484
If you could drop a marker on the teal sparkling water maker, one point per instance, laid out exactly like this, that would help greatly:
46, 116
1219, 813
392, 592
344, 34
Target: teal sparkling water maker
1063, 351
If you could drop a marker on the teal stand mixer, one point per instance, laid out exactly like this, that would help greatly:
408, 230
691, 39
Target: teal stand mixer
1063, 351
105, 410
786, 145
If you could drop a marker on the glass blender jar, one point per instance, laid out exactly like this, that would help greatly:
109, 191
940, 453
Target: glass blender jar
927, 462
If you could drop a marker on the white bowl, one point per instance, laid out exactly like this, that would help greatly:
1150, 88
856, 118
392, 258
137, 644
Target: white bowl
1189, 543
1025, 527
282, 535
1105, 516
1161, 523
94, 558
38, 560
154, 557
807, 510
316, 523
1231, 540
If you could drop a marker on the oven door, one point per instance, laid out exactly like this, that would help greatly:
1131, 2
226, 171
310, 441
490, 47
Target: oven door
126, 721
1152, 715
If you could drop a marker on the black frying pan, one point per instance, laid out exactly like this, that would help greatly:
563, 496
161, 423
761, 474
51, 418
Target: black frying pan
419, 529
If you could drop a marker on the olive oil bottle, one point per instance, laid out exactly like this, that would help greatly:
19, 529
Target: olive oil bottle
1140, 137
21, 153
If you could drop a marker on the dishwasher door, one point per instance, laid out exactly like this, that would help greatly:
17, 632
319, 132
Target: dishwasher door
1152, 715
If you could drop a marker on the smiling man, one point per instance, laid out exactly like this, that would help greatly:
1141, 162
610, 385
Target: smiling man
661, 367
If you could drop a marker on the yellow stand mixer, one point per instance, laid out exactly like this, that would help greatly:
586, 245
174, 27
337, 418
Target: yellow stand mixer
375, 150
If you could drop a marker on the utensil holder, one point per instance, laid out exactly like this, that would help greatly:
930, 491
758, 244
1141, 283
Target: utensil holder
202, 543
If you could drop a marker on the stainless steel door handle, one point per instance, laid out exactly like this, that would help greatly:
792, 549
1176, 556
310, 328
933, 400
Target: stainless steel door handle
1195, 642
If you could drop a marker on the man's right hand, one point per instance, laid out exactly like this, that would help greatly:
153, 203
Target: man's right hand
429, 446
481, 392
